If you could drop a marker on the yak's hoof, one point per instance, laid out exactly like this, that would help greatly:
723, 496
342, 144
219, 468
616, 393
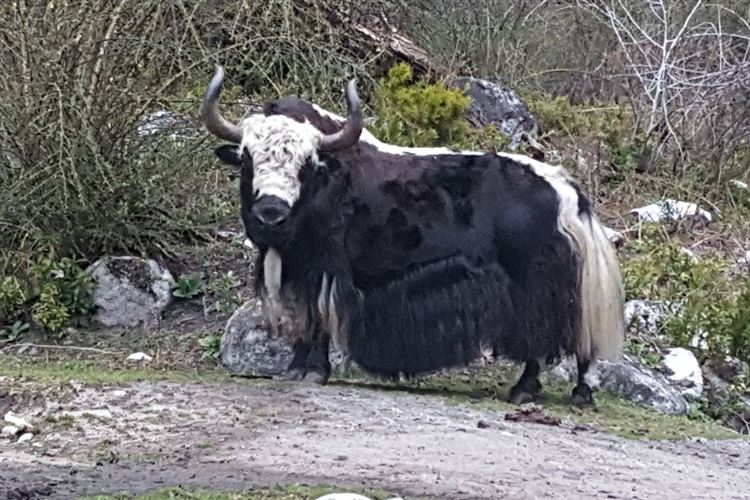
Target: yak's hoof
293, 374
525, 392
316, 377
582, 396
521, 397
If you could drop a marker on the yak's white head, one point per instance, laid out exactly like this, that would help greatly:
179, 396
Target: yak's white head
278, 144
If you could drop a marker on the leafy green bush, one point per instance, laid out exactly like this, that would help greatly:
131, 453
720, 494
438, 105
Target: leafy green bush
188, 286
609, 125
14, 331
224, 293
62, 291
12, 298
48, 311
211, 345
707, 300
420, 113
74, 285
55, 293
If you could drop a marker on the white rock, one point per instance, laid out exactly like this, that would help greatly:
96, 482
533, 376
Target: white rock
346, 496
17, 421
98, 413
739, 184
140, 356
25, 437
699, 341
684, 371
615, 237
119, 393
745, 259
228, 234
248, 244
10, 430
669, 209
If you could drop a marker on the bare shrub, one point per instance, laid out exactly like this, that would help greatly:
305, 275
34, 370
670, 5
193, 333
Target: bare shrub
689, 67
76, 177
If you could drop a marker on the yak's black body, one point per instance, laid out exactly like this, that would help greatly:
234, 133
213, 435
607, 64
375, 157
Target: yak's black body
445, 255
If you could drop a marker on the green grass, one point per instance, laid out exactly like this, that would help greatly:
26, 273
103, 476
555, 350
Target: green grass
96, 373
292, 492
487, 388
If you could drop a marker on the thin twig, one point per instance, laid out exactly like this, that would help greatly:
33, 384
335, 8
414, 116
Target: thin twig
61, 347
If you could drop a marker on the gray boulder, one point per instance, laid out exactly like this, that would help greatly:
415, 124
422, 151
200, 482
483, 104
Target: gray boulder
494, 104
630, 380
130, 291
728, 368
247, 348
647, 316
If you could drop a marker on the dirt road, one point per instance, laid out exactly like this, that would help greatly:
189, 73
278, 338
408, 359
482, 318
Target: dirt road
232, 435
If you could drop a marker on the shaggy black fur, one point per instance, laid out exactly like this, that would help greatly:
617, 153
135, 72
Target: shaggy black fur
436, 316
434, 257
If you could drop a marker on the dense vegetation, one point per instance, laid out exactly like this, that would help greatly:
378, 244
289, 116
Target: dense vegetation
640, 100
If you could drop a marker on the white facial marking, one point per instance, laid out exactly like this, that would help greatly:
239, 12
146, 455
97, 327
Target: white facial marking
279, 147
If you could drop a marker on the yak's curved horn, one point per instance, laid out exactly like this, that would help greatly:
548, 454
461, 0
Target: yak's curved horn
347, 136
210, 116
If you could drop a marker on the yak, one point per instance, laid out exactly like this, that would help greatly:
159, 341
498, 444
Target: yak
413, 260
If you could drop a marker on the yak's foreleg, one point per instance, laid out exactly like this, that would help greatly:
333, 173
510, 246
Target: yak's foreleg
582, 394
310, 356
317, 364
297, 368
528, 386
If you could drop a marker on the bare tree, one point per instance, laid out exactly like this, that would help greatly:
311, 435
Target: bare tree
691, 67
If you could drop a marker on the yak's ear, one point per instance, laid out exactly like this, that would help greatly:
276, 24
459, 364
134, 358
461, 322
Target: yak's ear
228, 154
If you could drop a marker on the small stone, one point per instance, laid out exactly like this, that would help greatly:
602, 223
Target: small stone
615, 237
17, 421
227, 234
343, 496
25, 437
669, 210
97, 413
139, 356
699, 341
10, 430
684, 371
119, 393
739, 184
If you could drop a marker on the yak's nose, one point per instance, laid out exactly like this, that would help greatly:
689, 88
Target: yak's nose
270, 211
